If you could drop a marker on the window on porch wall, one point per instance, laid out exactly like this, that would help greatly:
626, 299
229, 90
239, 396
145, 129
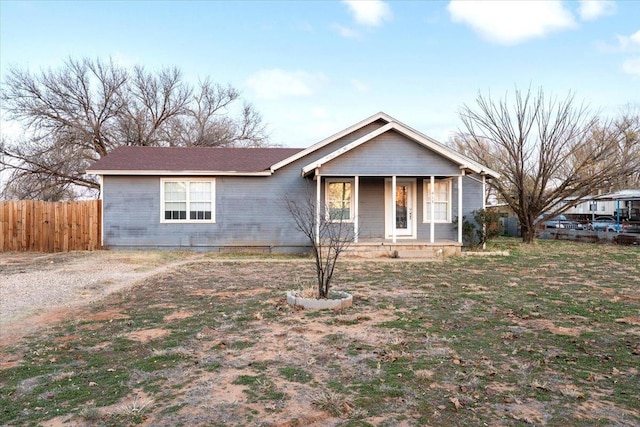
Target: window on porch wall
441, 201
339, 200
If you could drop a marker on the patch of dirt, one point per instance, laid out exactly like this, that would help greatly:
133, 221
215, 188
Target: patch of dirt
543, 324
66, 338
631, 320
601, 409
8, 362
176, 315
529, 412
146, 335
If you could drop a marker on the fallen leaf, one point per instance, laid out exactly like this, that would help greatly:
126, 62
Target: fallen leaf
456, 402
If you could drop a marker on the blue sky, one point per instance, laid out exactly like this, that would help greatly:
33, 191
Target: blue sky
312, 68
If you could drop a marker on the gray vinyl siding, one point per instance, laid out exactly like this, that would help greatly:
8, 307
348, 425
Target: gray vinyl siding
371, 208
472, 196
388, 154
249, 211
442, 231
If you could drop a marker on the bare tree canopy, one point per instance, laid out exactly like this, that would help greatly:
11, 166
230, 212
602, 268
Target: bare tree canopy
627, 126
546, 150
78, 113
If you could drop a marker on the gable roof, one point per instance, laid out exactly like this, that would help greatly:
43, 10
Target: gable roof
261, 161
422, 139
190, 160
391, 125
332, 138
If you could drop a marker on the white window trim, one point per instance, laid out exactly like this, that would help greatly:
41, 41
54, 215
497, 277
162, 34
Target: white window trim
327, 181
426, 196
188, 221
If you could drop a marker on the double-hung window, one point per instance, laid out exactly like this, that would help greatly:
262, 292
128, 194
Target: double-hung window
339, 199
191, 200
441, 200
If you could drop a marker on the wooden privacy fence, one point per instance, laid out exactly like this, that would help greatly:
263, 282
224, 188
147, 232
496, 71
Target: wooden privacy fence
32, 225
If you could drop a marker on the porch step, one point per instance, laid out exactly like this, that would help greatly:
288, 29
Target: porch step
419, 251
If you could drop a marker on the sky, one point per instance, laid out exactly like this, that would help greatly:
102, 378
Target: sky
313, 68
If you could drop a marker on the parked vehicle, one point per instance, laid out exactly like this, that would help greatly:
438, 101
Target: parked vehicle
631, 227
561, 221
605, 223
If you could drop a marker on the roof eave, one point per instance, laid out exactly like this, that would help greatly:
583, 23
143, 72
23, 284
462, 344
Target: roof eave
176, 173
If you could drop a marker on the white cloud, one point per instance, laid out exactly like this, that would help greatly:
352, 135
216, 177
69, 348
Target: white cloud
347, 32
629, 42
369, 12
512, 22
590, 10
632, 66
277, 83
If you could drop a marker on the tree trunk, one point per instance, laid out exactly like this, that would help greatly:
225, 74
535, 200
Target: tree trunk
528, 233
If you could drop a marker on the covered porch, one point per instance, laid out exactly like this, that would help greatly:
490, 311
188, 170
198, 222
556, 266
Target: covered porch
399, 216
400, 191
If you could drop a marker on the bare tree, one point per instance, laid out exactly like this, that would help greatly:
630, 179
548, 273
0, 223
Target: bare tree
207, 120
80, 112
627, 127
151, 101
546, 150
329, 237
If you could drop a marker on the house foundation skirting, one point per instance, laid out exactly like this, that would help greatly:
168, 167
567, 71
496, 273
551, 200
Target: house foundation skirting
413, 249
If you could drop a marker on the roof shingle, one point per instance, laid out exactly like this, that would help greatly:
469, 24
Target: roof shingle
195, 159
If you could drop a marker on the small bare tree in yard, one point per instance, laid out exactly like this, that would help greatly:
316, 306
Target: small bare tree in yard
546, 150
329, 235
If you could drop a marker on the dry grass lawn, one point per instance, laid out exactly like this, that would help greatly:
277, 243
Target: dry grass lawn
549, 335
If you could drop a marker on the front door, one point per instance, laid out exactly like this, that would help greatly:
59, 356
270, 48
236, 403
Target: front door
404, 205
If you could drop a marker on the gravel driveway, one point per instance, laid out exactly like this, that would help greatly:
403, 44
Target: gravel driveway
33, 286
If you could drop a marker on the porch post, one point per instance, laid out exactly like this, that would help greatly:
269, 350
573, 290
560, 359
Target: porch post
393, 208
484, 191
484, 202
318, 191
356, 210
432, 225
460, 209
